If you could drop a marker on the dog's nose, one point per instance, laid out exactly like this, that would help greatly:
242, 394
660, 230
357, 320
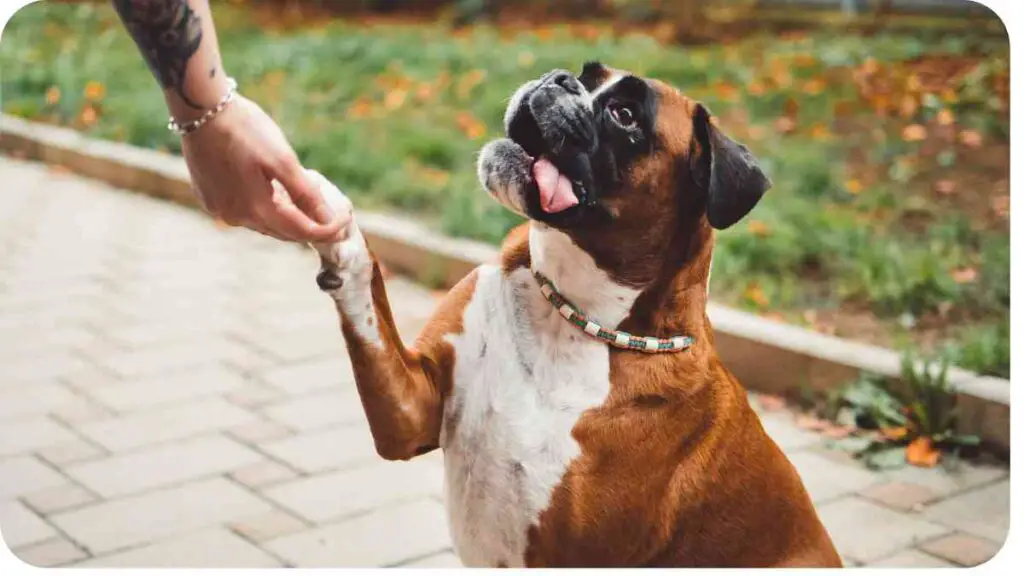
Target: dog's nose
568, 82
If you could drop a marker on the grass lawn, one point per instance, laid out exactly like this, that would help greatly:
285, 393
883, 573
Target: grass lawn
888, 222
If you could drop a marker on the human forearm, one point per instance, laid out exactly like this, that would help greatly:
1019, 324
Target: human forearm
178, 41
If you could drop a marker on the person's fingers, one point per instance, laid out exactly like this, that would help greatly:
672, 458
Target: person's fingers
304, 206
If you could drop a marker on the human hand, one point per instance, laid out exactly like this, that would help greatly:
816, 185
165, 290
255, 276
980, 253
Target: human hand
235, 158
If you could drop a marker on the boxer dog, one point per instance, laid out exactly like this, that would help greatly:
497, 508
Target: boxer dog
574, 388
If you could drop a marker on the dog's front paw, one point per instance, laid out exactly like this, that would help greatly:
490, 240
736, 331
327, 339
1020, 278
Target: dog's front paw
344, 256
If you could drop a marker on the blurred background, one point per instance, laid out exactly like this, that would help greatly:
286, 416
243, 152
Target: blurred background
884, 125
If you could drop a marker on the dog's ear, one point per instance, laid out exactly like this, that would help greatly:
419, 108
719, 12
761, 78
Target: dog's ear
727, 171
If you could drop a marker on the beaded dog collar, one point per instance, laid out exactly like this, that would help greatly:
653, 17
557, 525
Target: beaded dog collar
616, 338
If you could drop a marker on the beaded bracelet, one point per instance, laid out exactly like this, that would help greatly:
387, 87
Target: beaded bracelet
190, 127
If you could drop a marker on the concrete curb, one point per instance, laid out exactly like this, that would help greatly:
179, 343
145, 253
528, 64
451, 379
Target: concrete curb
798, 358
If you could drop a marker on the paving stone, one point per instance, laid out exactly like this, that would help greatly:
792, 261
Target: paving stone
163, 359
254, 395
267, 526
54, 552
331, 373
784, 432
178, 386
81, 411
147, 517
900, 495
172, 423
982, 512
825, 480
59, 498
442, 560
319, 410
34, 399
348, 492
910, 559
259, 431
211, 548
865, 531
298, 345
19, 526
72, 451
28, 434
326, 450
945, 481
163, 465
962, 549
385, 537
46, 367
23, 475
262, 474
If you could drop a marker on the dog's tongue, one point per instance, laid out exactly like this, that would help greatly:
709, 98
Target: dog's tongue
555, 189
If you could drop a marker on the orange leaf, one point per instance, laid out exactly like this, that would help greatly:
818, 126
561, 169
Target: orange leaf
758, 228
945, 187
756, 295
971, 138
914, 133
394, 99
895, 433
88, 116
921, 452
964, 275
945, 117
52, 95
785, 125
771, 403
808, 422
854, 186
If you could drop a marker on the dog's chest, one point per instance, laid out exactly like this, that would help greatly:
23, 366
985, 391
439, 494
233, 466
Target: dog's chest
522, 378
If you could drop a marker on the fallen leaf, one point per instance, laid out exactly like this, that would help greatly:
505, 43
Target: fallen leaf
394, 99
971, 138
921, 452
1001, 205
758, 228
820, 132
52, 95
809, 422
964, 275
914, 133
908, 105
756, 295
945, 187
785, 125
945, 117
771, 403
854, 186
88, 116
894, 433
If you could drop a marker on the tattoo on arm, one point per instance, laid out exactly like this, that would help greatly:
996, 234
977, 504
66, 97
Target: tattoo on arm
168, 33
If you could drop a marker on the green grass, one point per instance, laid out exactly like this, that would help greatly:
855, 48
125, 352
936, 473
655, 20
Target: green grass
396, 113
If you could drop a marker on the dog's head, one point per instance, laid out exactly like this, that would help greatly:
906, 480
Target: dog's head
613, 159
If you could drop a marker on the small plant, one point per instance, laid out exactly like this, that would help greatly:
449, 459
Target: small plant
912, 421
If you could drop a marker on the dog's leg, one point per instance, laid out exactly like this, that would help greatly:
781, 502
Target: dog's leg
402, 390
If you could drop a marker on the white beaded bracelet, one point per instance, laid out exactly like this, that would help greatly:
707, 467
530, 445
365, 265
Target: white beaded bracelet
189, 127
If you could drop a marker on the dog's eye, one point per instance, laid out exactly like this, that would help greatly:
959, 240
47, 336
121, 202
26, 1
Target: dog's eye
623, 115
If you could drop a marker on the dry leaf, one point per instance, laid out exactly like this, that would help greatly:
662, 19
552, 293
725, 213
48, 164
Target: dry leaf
88, 116
921, 452
965, 275
785, 125
854, 186
756, 295
52, 95
771, 403
894, 433
813, 423
914, 133
945, 117
945, 187
971, 138
758, 228
394, 99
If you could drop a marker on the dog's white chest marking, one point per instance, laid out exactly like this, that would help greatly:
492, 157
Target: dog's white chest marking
522, 378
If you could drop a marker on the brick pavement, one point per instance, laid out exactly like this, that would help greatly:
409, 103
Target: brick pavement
174, 394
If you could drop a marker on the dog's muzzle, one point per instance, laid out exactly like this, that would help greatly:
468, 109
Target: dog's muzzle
551, 137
